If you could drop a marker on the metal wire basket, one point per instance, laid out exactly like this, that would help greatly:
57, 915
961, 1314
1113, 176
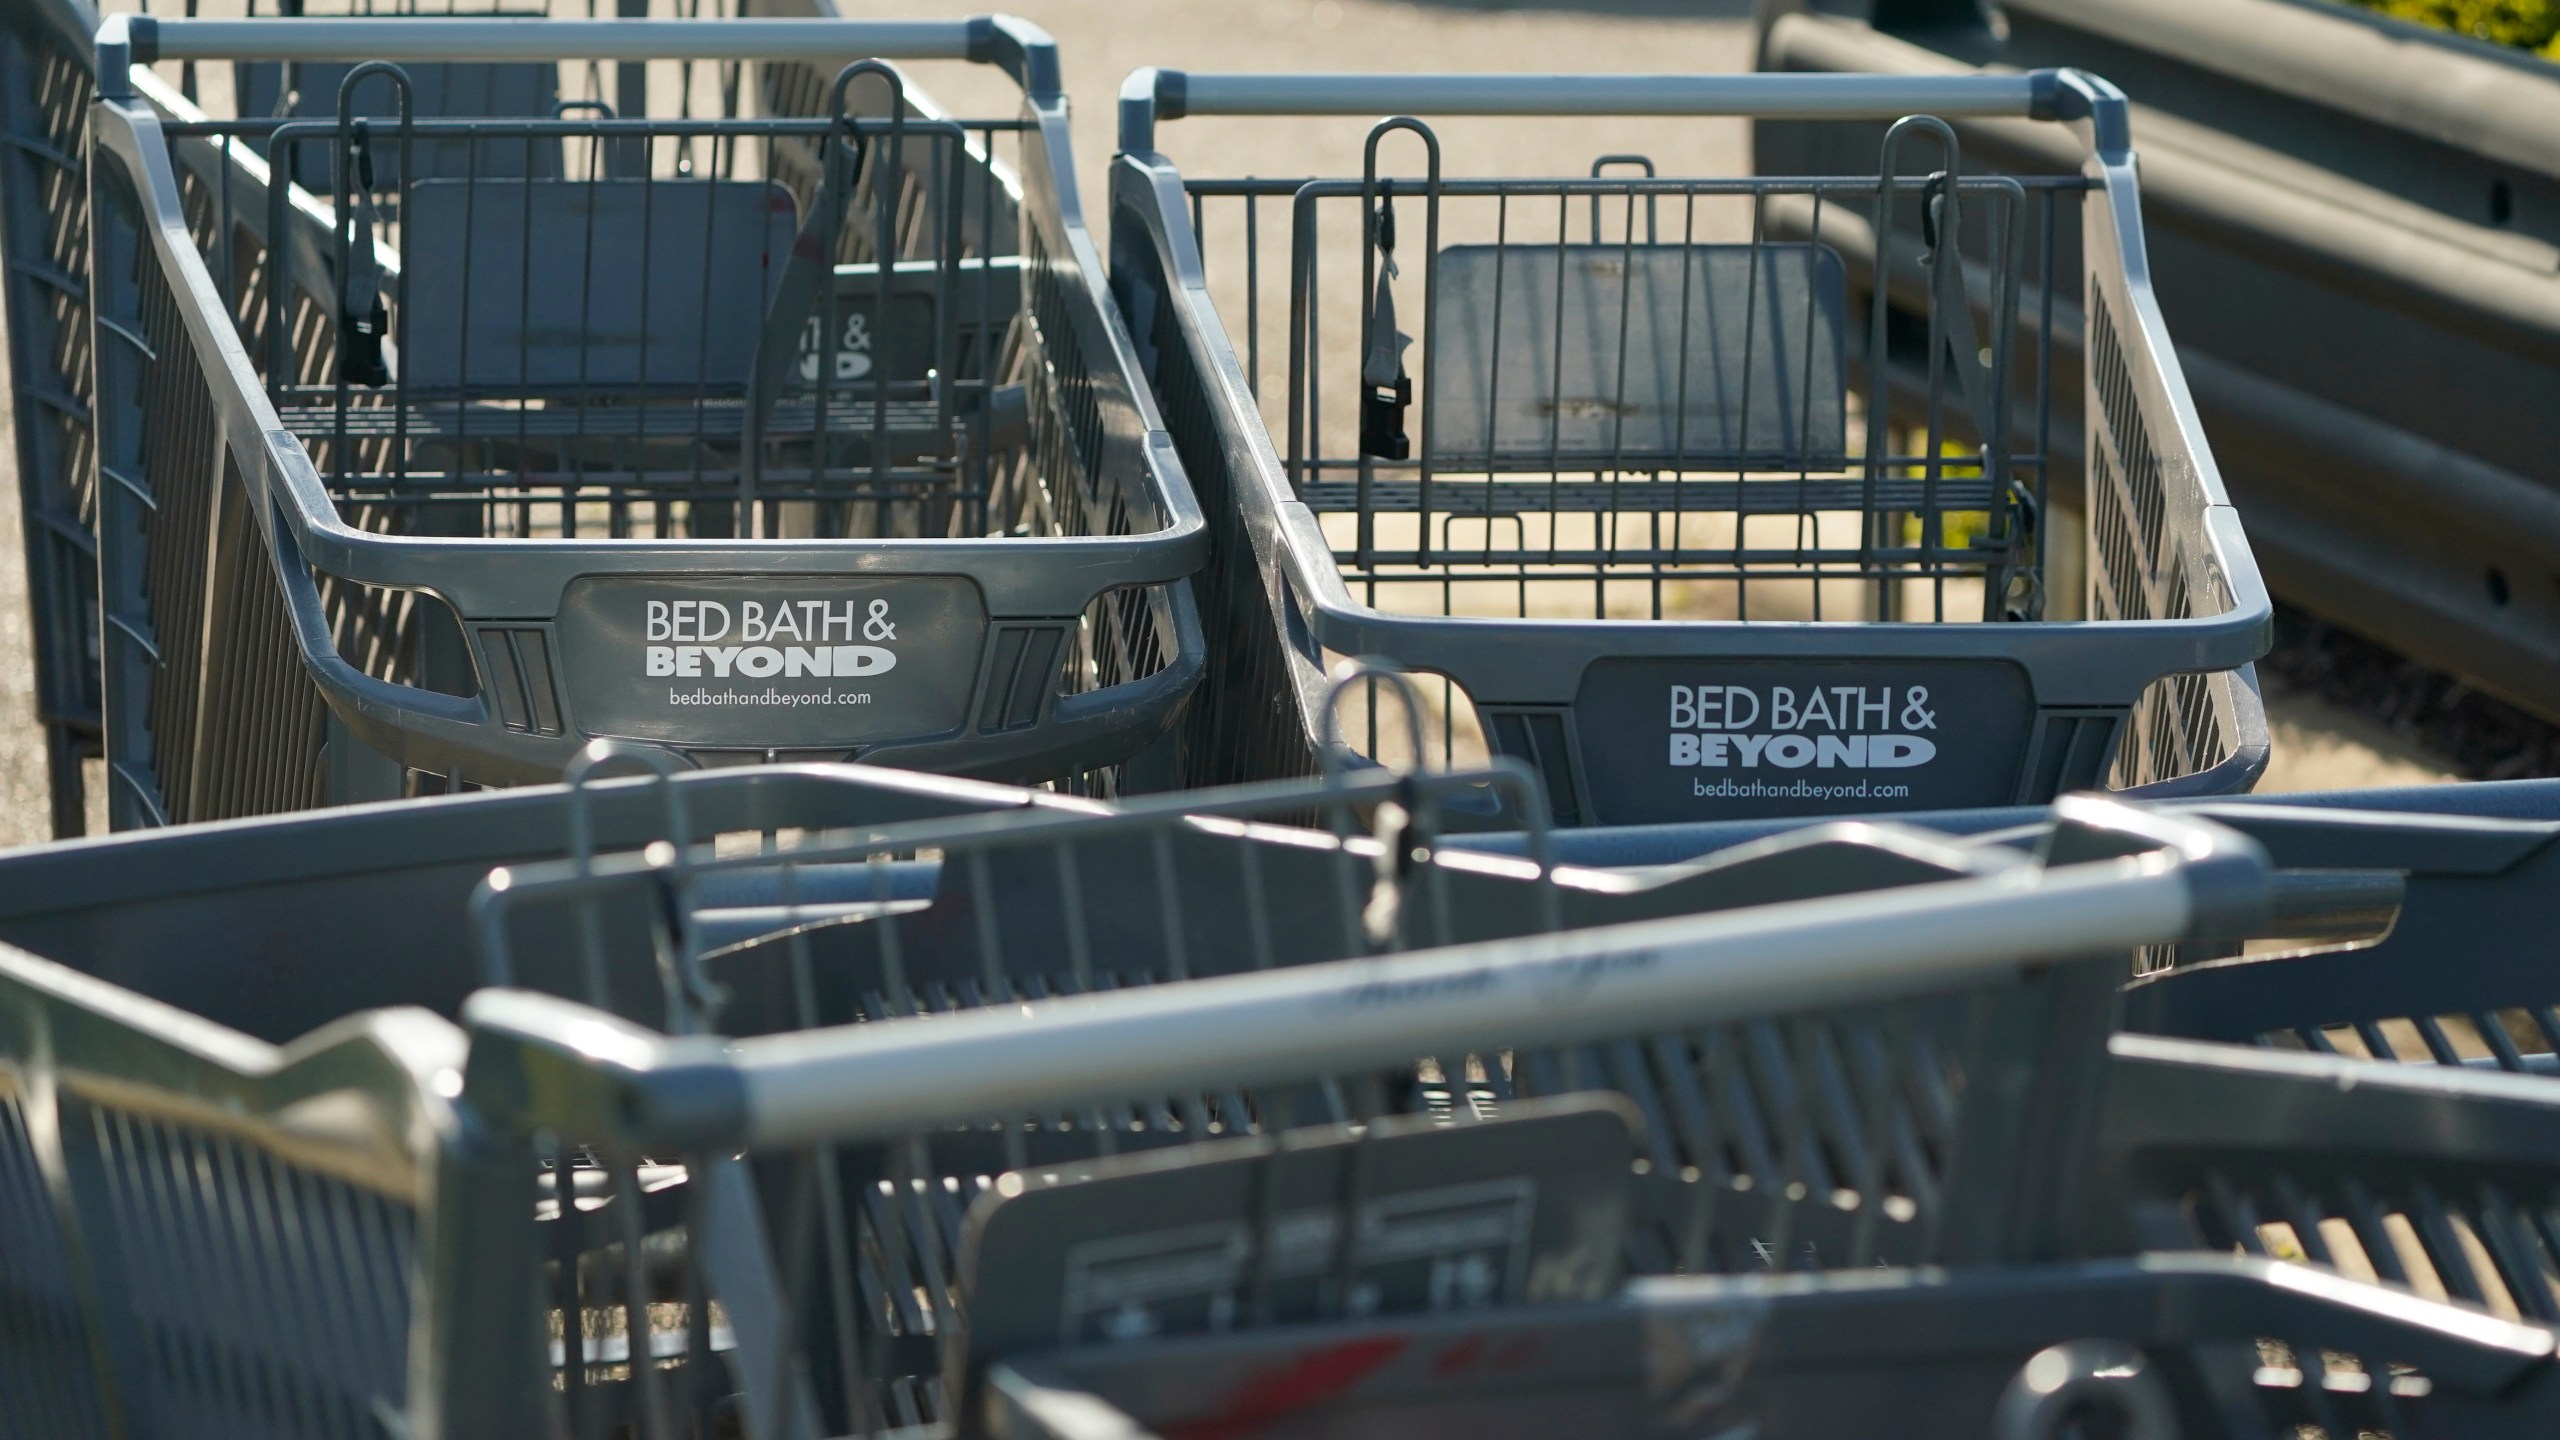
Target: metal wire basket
793, 429
1671, 518
50, 81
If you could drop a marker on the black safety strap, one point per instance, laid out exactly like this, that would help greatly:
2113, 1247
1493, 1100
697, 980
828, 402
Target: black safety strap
362, 317
1386, 391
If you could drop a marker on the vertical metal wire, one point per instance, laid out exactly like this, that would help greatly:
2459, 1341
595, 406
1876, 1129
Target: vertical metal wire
1804, 386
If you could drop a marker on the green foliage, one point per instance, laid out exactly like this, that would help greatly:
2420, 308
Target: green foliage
2524, 24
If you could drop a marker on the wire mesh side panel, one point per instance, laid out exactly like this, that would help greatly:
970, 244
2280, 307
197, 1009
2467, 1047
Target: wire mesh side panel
2519, 1038
405, 637
2139, 563
44, 95
1249, 725
212, 714
1745, 1122
637, 1348
1085, 469
2446, 1195
2491, 1245
47, 1369
1941, 1130
257, 1297
151, 536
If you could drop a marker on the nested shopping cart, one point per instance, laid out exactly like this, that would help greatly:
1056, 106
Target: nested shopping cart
2454, 975
338, 910
47, 81
793, 425
1937, 1055
2412, 935
1950, 1128
1674, 516
380, 1197
700, 1192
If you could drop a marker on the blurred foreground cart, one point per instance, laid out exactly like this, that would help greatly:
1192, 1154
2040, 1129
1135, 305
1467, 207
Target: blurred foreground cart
385, 1182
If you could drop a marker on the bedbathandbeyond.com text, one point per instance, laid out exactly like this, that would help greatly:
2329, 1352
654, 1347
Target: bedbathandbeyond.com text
767, 696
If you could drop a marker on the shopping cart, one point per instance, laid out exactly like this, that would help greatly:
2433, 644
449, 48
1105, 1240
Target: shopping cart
356, 907
1664, 512
45, 56
2402, 936
1184, 888
593, 439
380, 1214
1983, 922
2454, 976
2407, 938
869, 1081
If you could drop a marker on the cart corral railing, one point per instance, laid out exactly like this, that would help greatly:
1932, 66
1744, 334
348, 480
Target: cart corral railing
272, 637
2148, 687
2355, 229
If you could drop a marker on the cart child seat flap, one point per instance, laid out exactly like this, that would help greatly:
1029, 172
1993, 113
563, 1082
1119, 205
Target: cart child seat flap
563, 284
1530, 1207
1640, 357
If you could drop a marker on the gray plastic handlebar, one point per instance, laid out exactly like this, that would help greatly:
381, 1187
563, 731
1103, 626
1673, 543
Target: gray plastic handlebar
1153, 94
577, 1071
1021, 49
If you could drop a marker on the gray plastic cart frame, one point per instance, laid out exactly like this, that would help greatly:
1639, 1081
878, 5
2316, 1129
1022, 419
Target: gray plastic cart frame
2156, 690
363, 906
276, 533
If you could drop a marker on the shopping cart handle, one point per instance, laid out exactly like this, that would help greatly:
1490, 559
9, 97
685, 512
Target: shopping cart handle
1019, 48
539, 1062
1153, 94
2333, 904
